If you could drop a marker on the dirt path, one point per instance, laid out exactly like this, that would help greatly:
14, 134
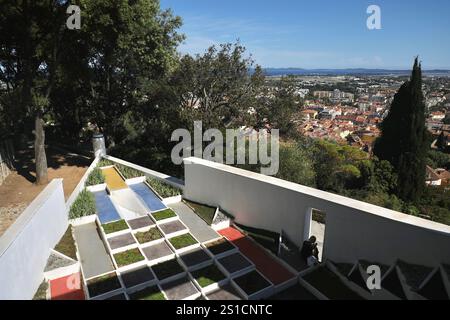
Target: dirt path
18, 190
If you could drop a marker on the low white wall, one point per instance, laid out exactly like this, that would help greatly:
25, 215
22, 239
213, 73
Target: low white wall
25, 246
354, 229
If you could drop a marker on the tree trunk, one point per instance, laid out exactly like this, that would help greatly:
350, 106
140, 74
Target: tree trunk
39, 151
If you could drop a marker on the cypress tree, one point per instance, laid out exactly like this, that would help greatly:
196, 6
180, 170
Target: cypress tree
403, 140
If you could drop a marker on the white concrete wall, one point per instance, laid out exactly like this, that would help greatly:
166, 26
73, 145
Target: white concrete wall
354, 229
25, 246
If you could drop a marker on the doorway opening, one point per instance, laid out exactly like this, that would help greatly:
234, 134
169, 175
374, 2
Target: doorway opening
315, 226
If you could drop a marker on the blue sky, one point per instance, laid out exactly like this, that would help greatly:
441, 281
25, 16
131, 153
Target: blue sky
321, 33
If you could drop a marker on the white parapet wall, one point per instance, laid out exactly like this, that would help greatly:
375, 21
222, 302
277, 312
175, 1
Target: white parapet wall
26, 245
354, 229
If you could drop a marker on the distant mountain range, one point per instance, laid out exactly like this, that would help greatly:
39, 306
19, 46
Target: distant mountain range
357, 71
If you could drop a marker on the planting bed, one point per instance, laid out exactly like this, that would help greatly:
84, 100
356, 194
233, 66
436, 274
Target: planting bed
120, 241
148, 236
434, 289
414, 274
137, 276
392, 283
66, 245
128, 257
208, 276
167, 269
235, 263
220, 247
205, 212
141, 222
180, 289
330, 285
103, 284
150, 293
183, 241
120, 296
114, 226
157, 251
164, 214
226, 292
252, 282
195, 257
173, 227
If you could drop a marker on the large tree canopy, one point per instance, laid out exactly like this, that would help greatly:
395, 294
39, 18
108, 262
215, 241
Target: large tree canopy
403, 140
97, 74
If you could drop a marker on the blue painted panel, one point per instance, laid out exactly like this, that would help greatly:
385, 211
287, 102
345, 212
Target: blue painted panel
148, 196
105, 209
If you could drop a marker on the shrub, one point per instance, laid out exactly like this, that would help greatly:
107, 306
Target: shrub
163, 189
84, 205
96, 177
128, 172
104, 163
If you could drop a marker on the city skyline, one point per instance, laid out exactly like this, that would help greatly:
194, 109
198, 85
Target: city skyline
293, 34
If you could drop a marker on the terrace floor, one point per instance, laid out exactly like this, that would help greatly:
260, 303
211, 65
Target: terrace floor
174, 245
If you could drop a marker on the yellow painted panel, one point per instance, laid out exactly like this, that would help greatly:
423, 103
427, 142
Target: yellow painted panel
113, 179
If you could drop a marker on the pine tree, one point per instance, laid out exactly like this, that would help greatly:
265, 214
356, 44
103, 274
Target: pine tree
403, 140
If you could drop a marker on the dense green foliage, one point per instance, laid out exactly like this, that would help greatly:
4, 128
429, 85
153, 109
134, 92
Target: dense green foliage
105, 163
437, 159
165, 190
403, 141
95, 177
84, 205
128, 172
